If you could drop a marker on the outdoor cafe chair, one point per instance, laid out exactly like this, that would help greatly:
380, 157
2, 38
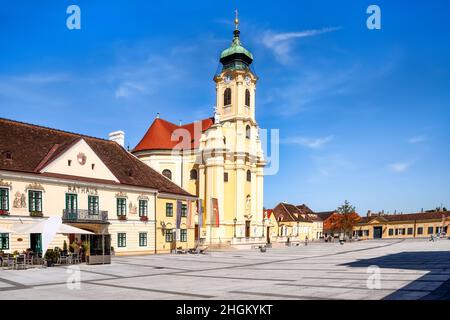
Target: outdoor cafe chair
7, 261
75, 258
63, 259
20, 262
29, 259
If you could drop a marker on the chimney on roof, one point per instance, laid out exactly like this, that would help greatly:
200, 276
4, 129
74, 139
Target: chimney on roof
369, 213
119, 137
157, 115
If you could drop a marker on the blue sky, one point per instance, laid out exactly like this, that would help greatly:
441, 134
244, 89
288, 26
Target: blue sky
363, 114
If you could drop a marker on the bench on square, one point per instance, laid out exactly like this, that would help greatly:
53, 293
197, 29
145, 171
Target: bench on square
260, 247
180, 250
199, 249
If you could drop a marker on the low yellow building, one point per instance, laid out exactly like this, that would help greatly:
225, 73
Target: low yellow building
91, 183
293, 223
169, 236
400, 226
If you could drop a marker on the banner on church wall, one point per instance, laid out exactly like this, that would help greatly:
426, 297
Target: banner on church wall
189, 215
200, 213
179, 206
214, 212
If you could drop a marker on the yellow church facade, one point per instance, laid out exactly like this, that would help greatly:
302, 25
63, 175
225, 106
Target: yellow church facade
218, 159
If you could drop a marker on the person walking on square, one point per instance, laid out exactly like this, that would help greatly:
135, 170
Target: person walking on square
306, 240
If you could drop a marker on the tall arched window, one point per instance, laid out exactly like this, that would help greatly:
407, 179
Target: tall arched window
227, 97
247, 98
193, 174
167, 173
247, 132
249, 176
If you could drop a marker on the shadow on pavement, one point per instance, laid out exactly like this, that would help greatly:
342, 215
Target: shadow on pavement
436, 263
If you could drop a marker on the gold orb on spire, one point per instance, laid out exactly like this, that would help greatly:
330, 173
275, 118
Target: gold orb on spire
236, 20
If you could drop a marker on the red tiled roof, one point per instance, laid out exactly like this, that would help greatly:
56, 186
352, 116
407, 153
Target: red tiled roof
159, 136
269, 213
408, 217
32, 147
289, 212
304, 209
325, 215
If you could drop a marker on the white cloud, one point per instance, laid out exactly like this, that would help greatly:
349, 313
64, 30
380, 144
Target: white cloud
312, 143
281, 43
417, 139
128, 88
306, 89
144, 76
330, 166
399, 166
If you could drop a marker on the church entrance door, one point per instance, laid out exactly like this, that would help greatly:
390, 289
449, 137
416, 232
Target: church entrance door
247, 229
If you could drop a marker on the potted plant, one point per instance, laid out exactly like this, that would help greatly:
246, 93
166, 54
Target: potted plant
50, 257
37, 214
86, 249
144, 218
65, 247
122, 217
73, 246
4, 213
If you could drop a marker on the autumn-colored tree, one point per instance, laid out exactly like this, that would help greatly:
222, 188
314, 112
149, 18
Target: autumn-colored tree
345, 219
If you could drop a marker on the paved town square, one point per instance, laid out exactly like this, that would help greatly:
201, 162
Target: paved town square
408, 269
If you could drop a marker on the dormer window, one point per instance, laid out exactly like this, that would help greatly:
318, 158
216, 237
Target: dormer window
93, 166
8, 155
69, 162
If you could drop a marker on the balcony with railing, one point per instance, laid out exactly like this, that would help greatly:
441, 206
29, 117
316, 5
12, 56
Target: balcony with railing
82, 215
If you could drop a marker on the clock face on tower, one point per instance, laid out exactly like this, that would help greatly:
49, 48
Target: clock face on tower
228, 78
247, 80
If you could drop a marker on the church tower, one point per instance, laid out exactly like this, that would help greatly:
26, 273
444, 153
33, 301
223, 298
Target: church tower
244, 162
236, 83
223, 163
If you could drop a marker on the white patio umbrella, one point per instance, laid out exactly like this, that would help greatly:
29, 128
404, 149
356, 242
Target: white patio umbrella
4, 230
48, 228
66, 229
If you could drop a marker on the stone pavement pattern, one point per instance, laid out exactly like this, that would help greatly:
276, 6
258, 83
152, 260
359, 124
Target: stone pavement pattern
410, 269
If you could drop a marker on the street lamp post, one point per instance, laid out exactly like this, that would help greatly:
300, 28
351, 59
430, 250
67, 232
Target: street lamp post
263, 220
235, 220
